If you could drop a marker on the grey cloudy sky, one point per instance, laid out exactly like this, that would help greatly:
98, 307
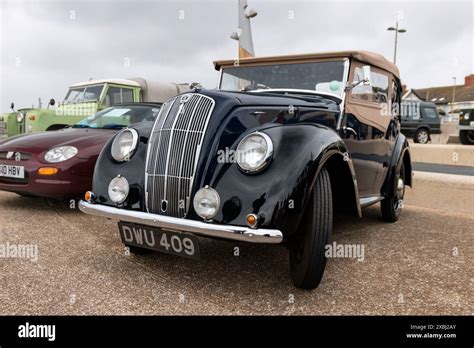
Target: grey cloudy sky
47, 45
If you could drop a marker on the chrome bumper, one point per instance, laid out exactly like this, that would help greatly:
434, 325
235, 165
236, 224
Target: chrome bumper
200, 228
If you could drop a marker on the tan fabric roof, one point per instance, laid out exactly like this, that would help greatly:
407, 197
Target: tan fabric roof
362, 56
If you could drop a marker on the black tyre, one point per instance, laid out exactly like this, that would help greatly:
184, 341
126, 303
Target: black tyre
307, 258
422, 136
466, 137
392, 206
137, 250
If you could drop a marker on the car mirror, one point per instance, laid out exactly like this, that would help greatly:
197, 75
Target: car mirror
12, 106
52, 102
366, 75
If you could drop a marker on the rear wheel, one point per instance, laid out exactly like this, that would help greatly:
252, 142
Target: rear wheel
307, 258
422, 136
392, 206
466, 137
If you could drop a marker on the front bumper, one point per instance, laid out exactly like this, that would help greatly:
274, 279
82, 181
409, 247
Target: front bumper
239, 233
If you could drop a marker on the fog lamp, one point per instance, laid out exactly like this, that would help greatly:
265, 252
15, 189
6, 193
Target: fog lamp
206, 202
118, 189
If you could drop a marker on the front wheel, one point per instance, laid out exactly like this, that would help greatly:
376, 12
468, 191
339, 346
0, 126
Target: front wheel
392, 205
307, 257
466, 137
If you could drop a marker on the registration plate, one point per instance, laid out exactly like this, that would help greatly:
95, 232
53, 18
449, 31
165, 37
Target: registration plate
177, 243
9, 171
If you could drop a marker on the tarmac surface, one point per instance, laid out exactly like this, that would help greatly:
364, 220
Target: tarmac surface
419, 265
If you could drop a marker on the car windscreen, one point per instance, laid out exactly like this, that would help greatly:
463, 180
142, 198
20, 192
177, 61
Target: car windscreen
316, 76
86, 93
118, 117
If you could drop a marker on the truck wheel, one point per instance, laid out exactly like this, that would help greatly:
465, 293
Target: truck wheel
392, 205
466, 137
137, 250
307, 258
422, 136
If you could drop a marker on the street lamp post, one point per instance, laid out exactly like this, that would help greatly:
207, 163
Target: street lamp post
454, 95
397, 30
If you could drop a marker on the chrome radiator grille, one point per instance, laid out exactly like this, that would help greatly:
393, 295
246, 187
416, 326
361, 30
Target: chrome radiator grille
173, 153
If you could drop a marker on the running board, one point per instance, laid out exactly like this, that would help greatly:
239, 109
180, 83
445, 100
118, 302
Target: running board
366, 201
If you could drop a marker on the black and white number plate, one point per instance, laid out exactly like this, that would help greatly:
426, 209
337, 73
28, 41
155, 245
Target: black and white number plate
177, 243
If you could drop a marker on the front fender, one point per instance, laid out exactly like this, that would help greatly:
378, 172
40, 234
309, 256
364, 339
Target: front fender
279, 194
400, 154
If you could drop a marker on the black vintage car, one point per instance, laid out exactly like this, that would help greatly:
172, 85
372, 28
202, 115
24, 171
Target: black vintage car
267, 158
420, 120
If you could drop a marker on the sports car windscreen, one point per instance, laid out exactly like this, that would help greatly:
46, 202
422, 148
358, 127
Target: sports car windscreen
119, 117
316, 76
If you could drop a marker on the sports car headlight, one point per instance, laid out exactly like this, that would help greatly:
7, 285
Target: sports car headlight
206, 202
118, 189
20, 117
60, 154
254, 152
124, 145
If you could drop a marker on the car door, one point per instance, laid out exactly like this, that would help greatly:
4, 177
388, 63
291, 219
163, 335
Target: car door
367, 119
431, 118
410, 117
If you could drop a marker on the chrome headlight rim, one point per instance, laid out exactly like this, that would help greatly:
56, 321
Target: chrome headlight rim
124, 157
20, 117
215, 195
126, 187
266, 159
62, 157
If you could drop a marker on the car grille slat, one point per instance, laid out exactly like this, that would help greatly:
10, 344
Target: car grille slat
173, 153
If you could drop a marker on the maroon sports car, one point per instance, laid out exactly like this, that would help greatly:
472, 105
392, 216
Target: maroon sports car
60, 164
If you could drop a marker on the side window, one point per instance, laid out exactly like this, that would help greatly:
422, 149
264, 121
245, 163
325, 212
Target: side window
127, 95
113, 96
377, 92
116, 95
430, 113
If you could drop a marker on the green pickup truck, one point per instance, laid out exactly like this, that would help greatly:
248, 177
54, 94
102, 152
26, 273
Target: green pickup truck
466, 126
85, 99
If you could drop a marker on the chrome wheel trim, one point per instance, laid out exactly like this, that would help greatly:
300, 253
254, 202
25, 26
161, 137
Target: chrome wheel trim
422, 137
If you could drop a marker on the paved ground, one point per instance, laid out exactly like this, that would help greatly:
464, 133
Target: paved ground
409, 268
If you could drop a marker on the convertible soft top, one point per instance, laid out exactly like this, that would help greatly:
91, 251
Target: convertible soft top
361, 56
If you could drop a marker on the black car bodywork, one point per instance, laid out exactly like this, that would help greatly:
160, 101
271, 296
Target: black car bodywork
310, 133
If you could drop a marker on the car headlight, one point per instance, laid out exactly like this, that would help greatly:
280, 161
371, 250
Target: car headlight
466, 116
206, 202
254, 152
124, 145
60, 154
118, 189
20, 117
